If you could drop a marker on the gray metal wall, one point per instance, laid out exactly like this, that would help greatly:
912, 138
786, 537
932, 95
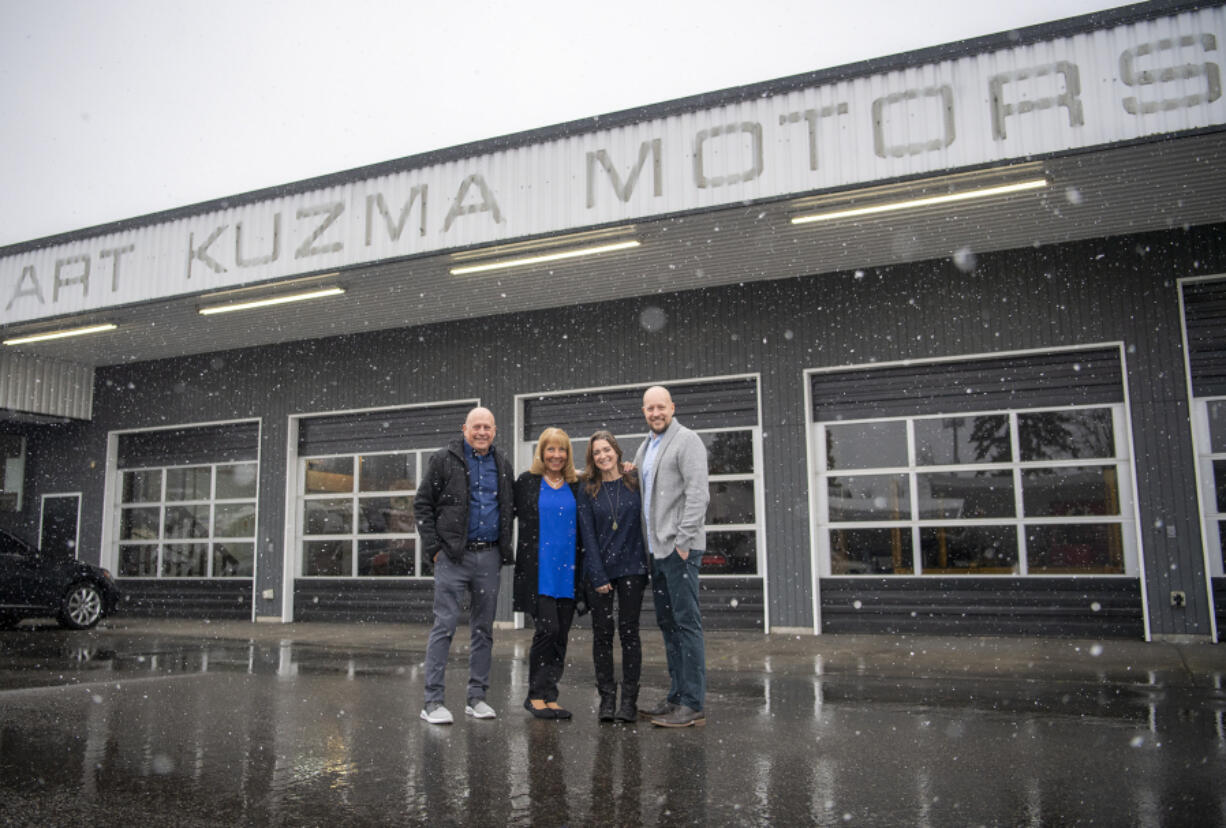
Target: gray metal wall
1101, 291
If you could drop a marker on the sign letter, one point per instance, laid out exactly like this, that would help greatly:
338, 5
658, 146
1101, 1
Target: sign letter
394, 229
945, 92
27, 272
487, 205
1068, 99
115, 252
258, 260
753, 130
81, 278
202, 252
810, 116
624, 191
330, 212
1211, 72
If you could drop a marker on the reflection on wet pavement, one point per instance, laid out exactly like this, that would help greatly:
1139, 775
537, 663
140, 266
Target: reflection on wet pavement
290, 734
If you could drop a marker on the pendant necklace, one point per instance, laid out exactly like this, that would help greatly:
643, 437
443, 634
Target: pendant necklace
615, 504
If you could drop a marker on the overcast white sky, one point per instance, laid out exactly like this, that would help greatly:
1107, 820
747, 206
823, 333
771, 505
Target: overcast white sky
111, 109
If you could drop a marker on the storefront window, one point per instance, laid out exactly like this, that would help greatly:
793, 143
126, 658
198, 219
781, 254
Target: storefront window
951, 488
361, 525
1211, 428
187, 521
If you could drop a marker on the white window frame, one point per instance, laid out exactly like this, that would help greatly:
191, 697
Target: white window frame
355, 537
1205, 457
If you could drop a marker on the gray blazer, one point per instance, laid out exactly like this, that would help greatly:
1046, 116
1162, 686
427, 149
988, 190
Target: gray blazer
679, 493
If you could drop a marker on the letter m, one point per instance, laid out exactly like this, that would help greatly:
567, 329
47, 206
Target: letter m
624, 191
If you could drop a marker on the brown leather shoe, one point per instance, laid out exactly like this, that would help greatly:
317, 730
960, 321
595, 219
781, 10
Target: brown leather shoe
663, 708
681, 717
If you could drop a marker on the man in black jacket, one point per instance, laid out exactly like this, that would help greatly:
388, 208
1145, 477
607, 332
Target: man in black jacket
464, 508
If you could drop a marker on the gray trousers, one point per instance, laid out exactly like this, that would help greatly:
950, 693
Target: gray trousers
475, 578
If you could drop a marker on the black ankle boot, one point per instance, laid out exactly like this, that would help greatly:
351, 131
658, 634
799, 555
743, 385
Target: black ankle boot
628, 712
608, 703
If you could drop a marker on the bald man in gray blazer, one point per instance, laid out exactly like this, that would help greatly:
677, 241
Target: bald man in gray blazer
673, 461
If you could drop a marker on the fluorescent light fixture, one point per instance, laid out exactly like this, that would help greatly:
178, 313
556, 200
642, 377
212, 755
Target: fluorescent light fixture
272, 300
573, 253
43, 337
924, 201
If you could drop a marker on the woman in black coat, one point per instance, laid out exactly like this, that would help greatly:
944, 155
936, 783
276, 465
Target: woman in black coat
548, 566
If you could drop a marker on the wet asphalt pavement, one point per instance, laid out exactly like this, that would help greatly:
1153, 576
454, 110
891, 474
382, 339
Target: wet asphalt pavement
188, 723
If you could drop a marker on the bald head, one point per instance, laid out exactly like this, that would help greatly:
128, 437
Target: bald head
479, 429
658, 408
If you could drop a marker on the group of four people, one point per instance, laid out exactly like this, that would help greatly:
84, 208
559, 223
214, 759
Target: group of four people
585, 542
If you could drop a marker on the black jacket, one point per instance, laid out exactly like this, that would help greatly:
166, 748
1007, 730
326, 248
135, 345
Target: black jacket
441, 504
527, 549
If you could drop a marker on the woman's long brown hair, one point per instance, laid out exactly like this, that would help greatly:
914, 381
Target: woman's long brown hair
591, 474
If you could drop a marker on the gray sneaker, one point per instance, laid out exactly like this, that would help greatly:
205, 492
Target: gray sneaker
478, 709
435, 713
681, 717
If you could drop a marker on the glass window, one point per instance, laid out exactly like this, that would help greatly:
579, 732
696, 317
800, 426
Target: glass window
866, 445
952, 441
869, 497
728, 452
730, 553
1219, 484
328, 474
732, 501
186, 513
1075, 548
1066, 435
144, 486
871, 552
194, 483
1217, 426
379, 530
387, 472
966, 494
1070, 490
953, 550
979, 504
236, 481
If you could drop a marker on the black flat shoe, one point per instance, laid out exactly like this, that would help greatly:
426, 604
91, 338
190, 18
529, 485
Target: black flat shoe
538, 709
558, 711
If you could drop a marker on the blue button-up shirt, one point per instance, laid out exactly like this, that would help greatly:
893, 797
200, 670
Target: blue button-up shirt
482, 496
649, 460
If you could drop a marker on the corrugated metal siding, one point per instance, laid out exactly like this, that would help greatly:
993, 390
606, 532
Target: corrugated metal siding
387, 430
1090, 292
1205, 312
227, 443
191, 598
51, 387
1023, 381
1082, 607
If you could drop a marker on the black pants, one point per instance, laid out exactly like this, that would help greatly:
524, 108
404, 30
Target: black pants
629, 594
547, 658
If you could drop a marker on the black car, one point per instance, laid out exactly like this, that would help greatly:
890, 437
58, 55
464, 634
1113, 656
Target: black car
34, 584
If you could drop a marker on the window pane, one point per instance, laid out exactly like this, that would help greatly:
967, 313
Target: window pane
1221, 541
139, 524
379, 515
236, 481
387, 472
866, 445
233, 560
328, 517
329, 474
234, 520
1076, 490
138, 561
579, 447
729, 452
972, 550
1217, 426
869, 497
730, 553
333, 557
386, 557
871, 552
966, 494
1219, 484
193, 483
185, 560
946, 441
187, 522
1074, 548
142, 486
1066, 435
731, 502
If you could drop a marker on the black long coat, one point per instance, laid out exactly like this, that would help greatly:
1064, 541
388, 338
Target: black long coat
527, 548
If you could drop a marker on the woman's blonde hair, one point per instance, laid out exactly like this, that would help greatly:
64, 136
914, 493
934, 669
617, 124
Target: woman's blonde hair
554, 436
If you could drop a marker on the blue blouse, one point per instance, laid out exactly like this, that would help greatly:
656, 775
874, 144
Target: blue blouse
558, 529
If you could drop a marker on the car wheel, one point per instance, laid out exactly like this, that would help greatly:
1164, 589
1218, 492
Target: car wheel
81, 607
